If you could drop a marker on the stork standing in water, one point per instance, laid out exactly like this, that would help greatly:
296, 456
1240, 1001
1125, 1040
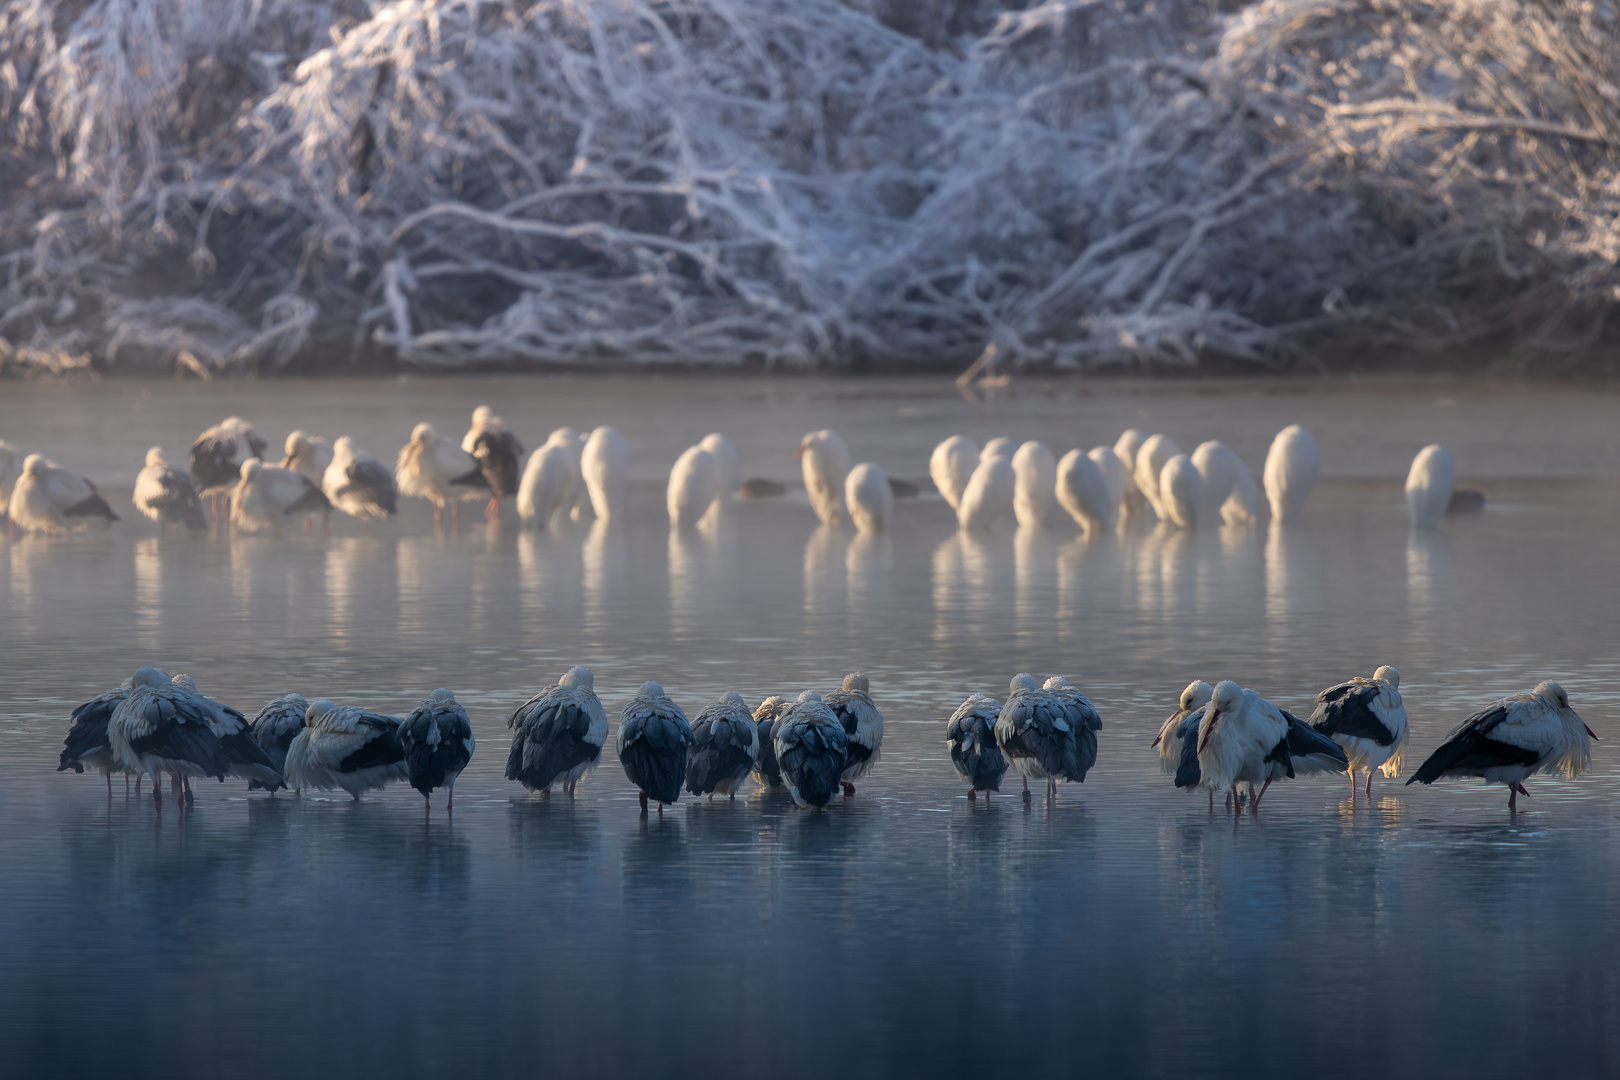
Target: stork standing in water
1125, 448
989, 494
86, 742
725, 740
970, 735
498, 454
652, 741
852, 704
1429, 486
726, 456
766, 771
950, 466
1365, 717
1034, 734
274, 729
48, 498
267, 495
432, 467
604, 464
825, 461
1087, 493
1177, 741
307, 455
1151, 458
343, 746
1083, 721
248, 760
438, 742
870, 498
1181, 492
1034, 483
1512, 740
811, 749
1245, 739
1291, 467
557, 735
164, 728
695, 485
358, 484
168, 495
218, 455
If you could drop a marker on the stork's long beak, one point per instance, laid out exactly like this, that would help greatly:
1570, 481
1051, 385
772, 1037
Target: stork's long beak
1590, 732
1155, 742
799, 453
1209, 728
286, 463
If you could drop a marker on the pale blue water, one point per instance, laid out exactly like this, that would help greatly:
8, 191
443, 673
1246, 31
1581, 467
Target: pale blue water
1122, 930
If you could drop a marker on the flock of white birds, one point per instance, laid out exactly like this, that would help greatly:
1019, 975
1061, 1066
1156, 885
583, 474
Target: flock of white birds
575, 474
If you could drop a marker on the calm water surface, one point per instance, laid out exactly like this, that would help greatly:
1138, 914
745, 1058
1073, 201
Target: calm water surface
1122, 929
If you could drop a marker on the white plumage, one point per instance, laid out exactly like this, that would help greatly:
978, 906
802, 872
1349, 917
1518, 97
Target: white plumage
1151, 457
950, 466
308, 454
1367, 718
1245, 739
1174, 731
999, 447
432, 467
694, 486
870, 498
1034, 483
825, 461
1291, 467
726, 456
49, 498
343, 746
1082, 489
1181, 492
358, 484
989, 494
1429, 484
1126, 447
8, 474
267, 496
548, 484
1242, 506
1114, 473
167, 495
1217, 468
576, 499
162, 727
604, 464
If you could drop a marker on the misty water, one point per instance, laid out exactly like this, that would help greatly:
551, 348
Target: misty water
1122, 928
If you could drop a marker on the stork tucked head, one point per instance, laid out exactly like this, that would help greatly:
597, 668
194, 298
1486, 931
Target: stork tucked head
769, 708
808, 695
441, 696
565, 437
1388, 674
1058, 682
421, 433
857, 681
999, 447
234, 424
343, 448
1197, 694
251, 467
186, 681
149, 676
1023, 681
154, 456
1549, 691
317, 709
296, 443
34, 465
731, 697
482, 416
1226, 697
578, 677
650, 689
812, 442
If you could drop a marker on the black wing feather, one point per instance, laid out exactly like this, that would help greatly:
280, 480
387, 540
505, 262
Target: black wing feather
1346, 709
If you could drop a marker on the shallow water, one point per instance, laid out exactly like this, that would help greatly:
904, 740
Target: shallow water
1123, 928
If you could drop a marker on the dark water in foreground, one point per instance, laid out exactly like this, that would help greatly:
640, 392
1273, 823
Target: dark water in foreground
1123, 930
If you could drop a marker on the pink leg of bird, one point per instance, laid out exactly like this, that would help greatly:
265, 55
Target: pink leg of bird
643, 802
455, 516
1369, 785
849, 789
450, 802
1254, 805
493, 510
438, 516
1352, 772
974, 794
309, 528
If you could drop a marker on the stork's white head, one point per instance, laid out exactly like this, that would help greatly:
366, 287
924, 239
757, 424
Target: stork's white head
318, 709
1058, 682
1227, 696
149, 676
441, 696
578, 677
34, 465
1389, 675
482, 416
1023, 681
1549, 691
565, 437
731, 697
251, 467
770, 707
808, 695
422, 433
856, 681
999, 447
296, 442
186, 681
154, 457
1197, 694
650, 690
343, 448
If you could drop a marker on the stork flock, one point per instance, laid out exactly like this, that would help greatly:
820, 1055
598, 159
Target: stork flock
575, 474
1222, 739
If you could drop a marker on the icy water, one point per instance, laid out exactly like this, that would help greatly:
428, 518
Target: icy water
1123, 930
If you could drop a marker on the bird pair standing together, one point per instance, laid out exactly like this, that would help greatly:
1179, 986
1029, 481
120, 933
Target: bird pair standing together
1045, 732
810, 746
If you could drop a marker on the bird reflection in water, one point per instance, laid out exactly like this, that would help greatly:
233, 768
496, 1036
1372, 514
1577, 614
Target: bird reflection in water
825, 579
606, 572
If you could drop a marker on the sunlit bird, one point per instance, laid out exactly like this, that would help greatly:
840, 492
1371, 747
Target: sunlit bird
1181, 492
1125, 448
1365, 717
604, 465
162, 727
1034, 483
557, 735
1116, 476
825, 462
726, 456
168, 495
437, 738
498, 454
1512, 740
432, 467
1217, 470
970, 736
274, 729
344, 746
811, 750
48, 498
358, 484
1245, 739
1151, 458
989, 494
766, 771
1429, 485
1173, 732
694, 487
852, 704
1084, 491
870, 498
652, 743
268, 495
308, 455
950, 466
218, 455
724, 741
1000, 448
548, 485
1291, 467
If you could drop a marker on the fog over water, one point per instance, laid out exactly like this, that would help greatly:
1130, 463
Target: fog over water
1122, 928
